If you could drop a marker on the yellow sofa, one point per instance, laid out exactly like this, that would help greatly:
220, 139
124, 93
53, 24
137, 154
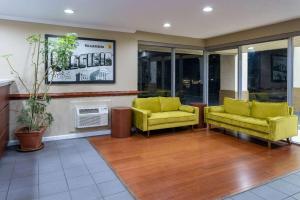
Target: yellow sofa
269, 121
162, 112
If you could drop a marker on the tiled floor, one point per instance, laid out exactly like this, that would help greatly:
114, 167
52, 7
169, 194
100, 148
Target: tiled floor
283, 188
63, 170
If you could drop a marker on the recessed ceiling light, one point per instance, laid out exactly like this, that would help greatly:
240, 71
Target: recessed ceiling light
207, 9
167, 25
69, 11
250, 48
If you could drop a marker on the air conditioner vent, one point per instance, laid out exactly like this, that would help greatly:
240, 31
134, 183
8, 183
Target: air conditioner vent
87, 111
91, 116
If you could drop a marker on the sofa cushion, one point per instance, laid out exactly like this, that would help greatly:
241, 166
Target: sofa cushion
264, 110
170, 117
150, 103
169, 103
237, 107
260, 125
187, 108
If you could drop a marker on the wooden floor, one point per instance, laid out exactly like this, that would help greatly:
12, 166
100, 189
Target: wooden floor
194, 165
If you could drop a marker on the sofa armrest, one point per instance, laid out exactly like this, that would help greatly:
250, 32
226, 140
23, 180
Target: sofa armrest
140, 118
283, 127
196, 112
209, 109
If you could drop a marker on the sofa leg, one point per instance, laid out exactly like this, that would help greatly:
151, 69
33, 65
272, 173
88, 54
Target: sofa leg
288, 141
148, 133
269, 144
208, 126
192, 127
136, 131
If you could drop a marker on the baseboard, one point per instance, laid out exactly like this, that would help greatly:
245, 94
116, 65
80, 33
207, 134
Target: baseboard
67, 136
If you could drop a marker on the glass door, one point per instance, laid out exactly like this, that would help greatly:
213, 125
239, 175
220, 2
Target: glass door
222, 76
189, 75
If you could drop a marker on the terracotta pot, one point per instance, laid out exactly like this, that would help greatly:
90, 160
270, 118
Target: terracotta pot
30, 141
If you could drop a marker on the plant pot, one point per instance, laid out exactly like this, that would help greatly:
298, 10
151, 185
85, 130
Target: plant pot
30, 141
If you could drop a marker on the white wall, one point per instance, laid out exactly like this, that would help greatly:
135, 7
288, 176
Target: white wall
228, 72
297, 67
244, 72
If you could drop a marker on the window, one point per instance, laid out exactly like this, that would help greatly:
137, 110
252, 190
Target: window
189, 75
264, 67
154, 71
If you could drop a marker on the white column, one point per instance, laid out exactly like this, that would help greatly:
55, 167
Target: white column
228, 72
244, 76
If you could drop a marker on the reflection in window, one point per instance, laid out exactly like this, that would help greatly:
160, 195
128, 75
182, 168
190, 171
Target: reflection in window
267, 71
154, 71
189, 75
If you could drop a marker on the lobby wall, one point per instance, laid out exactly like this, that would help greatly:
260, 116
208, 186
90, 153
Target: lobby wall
254, 33
13, 41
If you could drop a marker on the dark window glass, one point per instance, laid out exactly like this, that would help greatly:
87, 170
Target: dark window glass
154, 72
267, 72
214, 79
189, 77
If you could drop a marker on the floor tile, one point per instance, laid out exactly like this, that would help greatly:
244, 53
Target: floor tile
47, 189
294, 179
120, 196
25, 193
6, 174
104, 176
3, 195
80, 181
64, 169
43, 163
268, 193
111, 187
86, 193
97, 167
93, 159
50, 168
59, 196
24, 182
297, 196
284, 187
51, 177
76, 171
4, 184
246, 196
72, 162
290, 198
8, 158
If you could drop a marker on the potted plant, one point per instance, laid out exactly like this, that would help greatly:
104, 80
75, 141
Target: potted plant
34, 117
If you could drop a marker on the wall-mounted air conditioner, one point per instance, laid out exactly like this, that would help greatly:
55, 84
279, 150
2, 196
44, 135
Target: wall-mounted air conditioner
91, 116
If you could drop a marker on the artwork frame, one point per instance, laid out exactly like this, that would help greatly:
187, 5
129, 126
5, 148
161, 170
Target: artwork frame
278, 68
89, 43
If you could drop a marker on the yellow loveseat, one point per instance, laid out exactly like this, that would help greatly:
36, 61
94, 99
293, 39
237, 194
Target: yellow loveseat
269, 121
162, 112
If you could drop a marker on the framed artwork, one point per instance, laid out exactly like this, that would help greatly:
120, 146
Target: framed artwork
93, 61
278, 68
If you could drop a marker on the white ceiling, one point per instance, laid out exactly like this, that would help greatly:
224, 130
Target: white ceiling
186, 16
